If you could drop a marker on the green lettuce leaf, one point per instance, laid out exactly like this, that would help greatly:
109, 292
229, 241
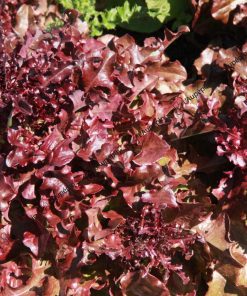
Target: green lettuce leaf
145, 16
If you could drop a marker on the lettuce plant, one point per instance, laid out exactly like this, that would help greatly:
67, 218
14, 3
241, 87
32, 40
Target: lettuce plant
143, 16
65, 93
164, 216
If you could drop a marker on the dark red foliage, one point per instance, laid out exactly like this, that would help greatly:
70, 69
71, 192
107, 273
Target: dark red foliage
156, 218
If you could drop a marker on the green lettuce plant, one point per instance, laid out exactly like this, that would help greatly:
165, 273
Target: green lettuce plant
145, 16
